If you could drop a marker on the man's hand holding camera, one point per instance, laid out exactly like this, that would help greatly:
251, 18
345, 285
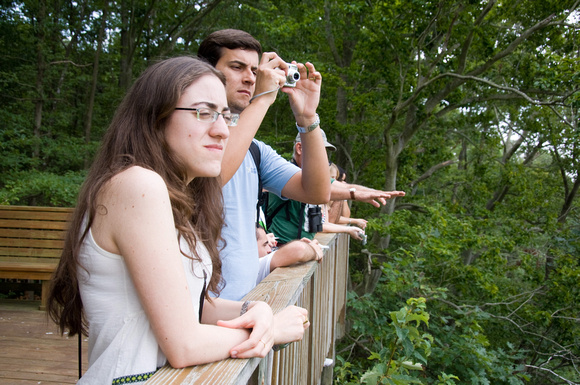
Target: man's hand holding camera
305, 94
300, 81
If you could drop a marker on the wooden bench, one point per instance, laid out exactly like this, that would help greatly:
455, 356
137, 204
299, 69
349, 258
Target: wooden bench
31, 241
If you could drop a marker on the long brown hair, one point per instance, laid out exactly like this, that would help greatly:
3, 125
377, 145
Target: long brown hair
136, 136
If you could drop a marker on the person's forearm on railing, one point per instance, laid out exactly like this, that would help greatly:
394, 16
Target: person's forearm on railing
288, 325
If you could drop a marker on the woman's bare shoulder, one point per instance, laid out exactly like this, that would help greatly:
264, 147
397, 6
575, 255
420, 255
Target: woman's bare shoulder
131, 199
136, 174
135, 184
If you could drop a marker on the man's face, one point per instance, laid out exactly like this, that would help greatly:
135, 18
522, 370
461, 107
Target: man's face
239, 67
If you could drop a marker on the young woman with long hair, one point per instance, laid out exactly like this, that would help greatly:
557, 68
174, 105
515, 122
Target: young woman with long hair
141, 254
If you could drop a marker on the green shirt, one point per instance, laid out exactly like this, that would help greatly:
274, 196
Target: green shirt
287, 223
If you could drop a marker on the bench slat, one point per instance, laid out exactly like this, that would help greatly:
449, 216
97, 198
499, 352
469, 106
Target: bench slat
35, 208
35, 212
30, 274
28, 251
31, 243
36, 224
42, 215
36, 215
32, 260
45, 267
32, 234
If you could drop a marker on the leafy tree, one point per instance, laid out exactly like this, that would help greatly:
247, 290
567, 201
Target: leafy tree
470, 107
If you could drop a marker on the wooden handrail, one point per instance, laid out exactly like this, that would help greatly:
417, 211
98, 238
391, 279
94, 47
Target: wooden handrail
318, 287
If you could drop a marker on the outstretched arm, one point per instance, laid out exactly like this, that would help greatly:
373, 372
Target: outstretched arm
359, 222
354, 232
342, 191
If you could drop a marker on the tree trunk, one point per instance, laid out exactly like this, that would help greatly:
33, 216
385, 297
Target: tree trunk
503, 189
342, 50
391, 166
91, 102
569, 200
342, 145
40, 70
72, 44
126, 74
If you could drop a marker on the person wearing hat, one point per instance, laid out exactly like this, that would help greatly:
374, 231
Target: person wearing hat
327, 144
289, 219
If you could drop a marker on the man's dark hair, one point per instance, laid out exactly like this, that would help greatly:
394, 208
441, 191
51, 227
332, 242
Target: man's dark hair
258, 228
211, 48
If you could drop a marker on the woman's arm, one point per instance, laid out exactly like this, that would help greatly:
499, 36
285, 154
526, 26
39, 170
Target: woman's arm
288, 325
267, 329
137, 222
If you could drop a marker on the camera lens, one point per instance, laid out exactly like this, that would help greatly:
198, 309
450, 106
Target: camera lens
296, 76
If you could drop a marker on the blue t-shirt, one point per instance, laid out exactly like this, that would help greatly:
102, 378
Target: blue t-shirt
240, 262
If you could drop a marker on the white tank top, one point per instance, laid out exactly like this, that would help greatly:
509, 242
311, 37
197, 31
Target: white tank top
122, 346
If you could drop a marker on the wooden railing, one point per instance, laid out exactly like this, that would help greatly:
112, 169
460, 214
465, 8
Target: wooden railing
318, 287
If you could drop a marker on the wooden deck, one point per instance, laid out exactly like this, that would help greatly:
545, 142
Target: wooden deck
31, 349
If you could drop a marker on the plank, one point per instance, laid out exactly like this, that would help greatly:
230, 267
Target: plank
36, 212
31, 349
32, 233
20, 254
24, 266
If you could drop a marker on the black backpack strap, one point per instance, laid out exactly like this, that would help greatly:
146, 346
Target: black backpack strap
301, 220
270, 215
257, 156
286, 204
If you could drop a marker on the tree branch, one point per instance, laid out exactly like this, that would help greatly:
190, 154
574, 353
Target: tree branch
469, 39
432, 171
71, 63
553, 373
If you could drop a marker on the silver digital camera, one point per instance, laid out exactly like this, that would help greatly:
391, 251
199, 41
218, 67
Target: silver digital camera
293, 75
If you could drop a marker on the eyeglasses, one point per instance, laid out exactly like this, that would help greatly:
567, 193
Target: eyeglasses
208, 115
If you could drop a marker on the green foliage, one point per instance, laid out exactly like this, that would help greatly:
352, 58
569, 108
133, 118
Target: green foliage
407, 349
503, 298
42, 189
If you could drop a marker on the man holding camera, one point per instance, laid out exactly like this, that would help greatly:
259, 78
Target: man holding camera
251, 87
250, 79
